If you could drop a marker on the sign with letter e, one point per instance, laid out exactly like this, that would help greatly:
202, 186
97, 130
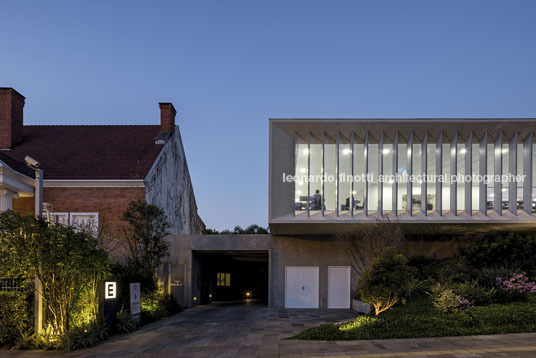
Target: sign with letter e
110, 290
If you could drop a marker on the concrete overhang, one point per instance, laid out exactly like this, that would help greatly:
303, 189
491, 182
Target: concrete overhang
405, 126
330, 229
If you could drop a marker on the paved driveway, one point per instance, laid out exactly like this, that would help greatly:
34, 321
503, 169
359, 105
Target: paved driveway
254, 331
210, 331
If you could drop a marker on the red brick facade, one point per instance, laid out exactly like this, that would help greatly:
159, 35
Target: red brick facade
167, 117
108, 202
11, 111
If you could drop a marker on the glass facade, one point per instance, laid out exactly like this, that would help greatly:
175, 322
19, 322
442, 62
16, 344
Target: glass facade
363, 173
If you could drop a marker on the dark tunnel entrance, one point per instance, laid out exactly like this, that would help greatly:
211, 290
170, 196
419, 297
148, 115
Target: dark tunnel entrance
231, 276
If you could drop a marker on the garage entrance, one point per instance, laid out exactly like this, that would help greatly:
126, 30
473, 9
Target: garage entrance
230, 276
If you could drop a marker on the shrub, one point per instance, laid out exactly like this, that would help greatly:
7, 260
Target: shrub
157, 305
127, 274
505, 249
487, 276
418, 318
125, 323
444, 299
15, 317
386, 280
422, 288
517, 282
69, 264
425, 267
84, 336
475, 293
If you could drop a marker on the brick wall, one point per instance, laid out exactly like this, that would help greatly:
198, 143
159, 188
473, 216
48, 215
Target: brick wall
24, 206
108, 202
11, 117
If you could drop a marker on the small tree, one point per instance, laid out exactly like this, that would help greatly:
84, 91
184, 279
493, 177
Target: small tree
67, 262
386, 280
368, 240
144, 236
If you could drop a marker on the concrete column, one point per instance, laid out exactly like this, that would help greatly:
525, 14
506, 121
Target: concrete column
454, 171
323, 172
308, 173
365, 199
409, 191
395, 171
483, 187
512, 165
352, 142
424, 170
527, 171
337, 172
439, 169
497, 170
469, 171
380, 170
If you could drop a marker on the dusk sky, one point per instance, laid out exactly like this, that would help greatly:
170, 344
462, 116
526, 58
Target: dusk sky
228, 66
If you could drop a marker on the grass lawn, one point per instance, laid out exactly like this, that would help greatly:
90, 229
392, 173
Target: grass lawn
418, 318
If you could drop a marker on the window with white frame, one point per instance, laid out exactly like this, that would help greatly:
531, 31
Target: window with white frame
58, 218
85, 221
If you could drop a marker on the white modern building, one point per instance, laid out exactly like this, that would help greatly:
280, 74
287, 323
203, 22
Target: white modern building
351, 171
443, 180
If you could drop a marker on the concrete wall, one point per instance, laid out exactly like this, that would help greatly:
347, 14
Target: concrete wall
282, 251
168, 186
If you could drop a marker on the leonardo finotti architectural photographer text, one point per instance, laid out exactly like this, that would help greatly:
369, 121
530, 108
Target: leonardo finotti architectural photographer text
404, 178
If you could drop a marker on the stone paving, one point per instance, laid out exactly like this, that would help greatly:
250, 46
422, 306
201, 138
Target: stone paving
255, 331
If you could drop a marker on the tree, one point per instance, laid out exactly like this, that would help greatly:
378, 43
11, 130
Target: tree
144, 236
68, 263
366, 242
386, 280
250, 230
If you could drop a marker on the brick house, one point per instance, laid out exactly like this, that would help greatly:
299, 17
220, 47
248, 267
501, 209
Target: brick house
92, 172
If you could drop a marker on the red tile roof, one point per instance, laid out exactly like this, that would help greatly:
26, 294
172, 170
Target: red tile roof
90, 152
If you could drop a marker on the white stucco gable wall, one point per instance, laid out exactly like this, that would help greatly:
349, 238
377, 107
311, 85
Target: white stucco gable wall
168, 185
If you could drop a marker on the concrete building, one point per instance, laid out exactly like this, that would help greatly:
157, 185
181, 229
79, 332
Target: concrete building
91, 172
398, 168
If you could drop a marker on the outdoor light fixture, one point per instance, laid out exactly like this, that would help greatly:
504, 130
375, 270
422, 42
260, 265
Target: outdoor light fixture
346, 151
303, 170
504, 151
386, 151
195, 298
306, 151
248, 294
463, 151
210, 295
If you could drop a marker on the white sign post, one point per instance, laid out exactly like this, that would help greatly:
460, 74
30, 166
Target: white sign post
135, 304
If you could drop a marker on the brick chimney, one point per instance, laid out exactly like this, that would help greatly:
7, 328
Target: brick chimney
11, 108
167, 117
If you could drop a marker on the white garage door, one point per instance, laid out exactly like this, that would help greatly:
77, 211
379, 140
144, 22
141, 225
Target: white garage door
301, 286
339, 287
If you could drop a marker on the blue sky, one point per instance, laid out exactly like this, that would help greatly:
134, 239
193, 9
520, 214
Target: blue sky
230, 65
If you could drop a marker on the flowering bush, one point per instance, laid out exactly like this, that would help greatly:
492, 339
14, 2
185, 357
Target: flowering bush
463, 303
518, 282
446, 300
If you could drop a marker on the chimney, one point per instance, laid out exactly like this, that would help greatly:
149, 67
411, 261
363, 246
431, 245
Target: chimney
167, 117
11, 107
